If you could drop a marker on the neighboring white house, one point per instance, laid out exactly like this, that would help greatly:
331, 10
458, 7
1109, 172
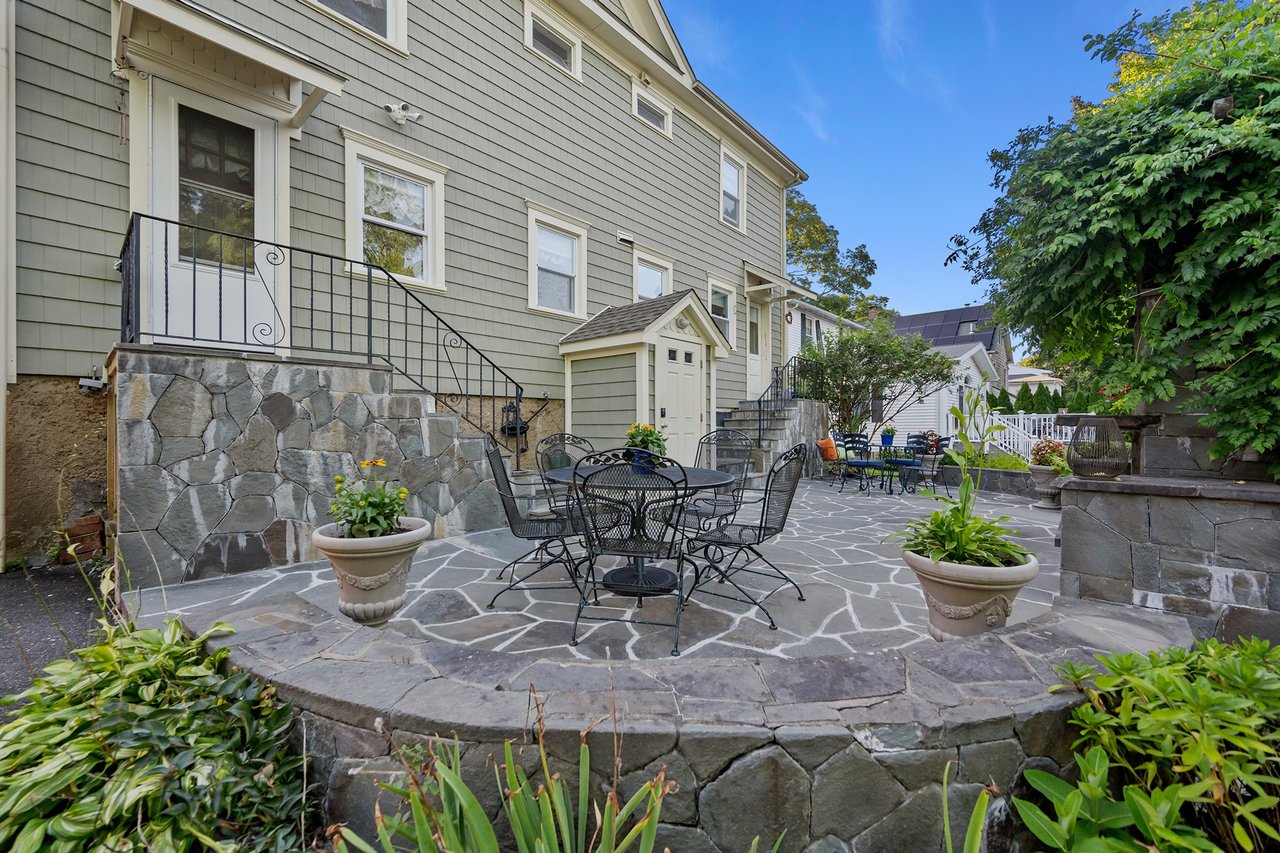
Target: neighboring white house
973, 369
806, 322
1033, 378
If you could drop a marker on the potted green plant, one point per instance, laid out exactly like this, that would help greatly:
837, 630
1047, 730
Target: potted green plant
646, 441
1048, 463
887, 432
969, 567
370, 544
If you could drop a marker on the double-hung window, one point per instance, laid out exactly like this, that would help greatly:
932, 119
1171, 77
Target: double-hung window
722, 306
557, 261
732, 184
653, 275
552, 39
395, 210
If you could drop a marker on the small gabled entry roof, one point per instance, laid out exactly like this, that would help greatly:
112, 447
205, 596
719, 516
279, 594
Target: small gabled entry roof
640, 322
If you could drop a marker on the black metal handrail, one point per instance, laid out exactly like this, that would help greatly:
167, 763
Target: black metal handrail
215, 287
799, 379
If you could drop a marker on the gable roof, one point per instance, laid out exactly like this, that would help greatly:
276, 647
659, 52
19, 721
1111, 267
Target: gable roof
635, 317
944, 327
959, 352
637, 323
641, 36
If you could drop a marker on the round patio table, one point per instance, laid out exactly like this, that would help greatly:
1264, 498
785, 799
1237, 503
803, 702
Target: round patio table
639, 579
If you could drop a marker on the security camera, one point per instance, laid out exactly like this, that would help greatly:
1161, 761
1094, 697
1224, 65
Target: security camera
400, 113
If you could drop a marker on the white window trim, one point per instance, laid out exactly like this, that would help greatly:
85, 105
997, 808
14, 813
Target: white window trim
361, 149
727, 153
722, 285
397, 37
661, 104
668, 267
540, 214
560, 27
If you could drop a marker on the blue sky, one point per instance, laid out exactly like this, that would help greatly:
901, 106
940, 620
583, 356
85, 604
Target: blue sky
892, 105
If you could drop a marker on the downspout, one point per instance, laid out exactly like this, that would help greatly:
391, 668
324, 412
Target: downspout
8, 239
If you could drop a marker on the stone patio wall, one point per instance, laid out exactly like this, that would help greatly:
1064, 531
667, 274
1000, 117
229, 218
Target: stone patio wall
1206, 549
997, 480
844, 754
225, 462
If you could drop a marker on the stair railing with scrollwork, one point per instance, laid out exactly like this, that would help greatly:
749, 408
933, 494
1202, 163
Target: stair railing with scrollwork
799, 379
210, 287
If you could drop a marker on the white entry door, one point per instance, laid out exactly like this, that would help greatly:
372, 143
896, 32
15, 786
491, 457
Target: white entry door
681, 396
757, 349
214, 172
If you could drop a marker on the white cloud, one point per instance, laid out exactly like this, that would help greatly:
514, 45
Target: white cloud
705, 39
811, 106
891, 26
989, 23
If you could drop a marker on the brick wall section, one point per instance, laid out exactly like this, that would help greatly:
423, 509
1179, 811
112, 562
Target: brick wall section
1206, 549
226, 463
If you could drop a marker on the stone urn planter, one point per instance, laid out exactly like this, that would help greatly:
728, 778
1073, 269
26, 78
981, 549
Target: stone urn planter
967, 600
371, 571
1050, 495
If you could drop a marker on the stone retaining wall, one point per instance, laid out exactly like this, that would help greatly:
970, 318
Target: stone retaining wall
998, 480
844, 754
225, 462
1206, 549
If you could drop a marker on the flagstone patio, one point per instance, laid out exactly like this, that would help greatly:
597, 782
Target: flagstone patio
859, 597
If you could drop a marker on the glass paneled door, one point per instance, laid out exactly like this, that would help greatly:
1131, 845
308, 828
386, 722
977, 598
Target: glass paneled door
757, 348
213, 282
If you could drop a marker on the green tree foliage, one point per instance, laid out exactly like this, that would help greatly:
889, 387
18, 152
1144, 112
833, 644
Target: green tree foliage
1042, 400
1056, 402
1004, 401
1024, 402
862, 366
815, 260
1143, 234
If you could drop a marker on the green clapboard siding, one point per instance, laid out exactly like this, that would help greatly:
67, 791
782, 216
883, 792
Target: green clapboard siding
604, 398
506, 124
72, 186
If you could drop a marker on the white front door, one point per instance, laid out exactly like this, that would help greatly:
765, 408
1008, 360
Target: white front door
680, 396
214, 171
757, 349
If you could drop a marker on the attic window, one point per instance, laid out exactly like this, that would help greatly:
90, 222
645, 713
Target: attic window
651, 109
552, 40
967, 328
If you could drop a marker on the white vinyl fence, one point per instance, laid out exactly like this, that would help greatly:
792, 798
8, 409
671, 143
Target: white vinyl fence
1022, 431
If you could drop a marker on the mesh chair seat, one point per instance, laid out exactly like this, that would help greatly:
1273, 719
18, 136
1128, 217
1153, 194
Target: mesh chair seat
729, 452
628, 507
551, 533
723, 547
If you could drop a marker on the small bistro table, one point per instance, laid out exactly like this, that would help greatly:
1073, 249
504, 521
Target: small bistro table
630, 580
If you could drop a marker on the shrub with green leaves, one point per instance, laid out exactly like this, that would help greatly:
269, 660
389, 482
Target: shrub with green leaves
141, 743
1182, 753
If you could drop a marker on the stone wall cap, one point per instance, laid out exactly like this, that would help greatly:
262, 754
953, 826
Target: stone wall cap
1178, 487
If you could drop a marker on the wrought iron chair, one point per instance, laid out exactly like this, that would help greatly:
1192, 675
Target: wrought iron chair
561, 450
861, 462
905, 463
729, 452
551, 534
628, 505
740, 541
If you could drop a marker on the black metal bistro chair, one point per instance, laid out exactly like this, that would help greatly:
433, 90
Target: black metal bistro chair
860, 462
561, 450
729, 452
904, 463
724, 546
551, 534
628, 507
